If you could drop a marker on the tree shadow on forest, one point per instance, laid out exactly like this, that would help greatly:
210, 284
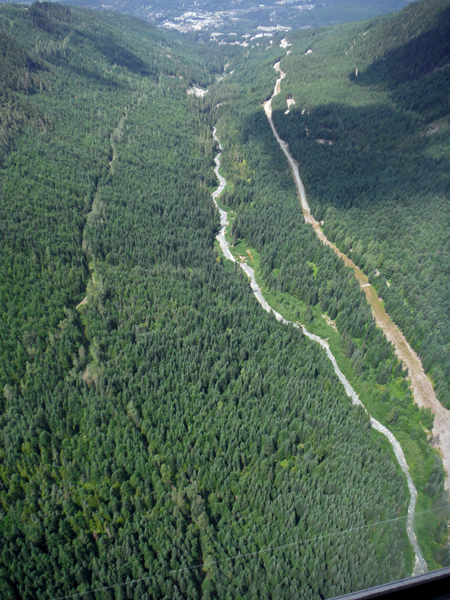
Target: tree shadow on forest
117, 55
350, 156
99, 79
415, 59
416, 74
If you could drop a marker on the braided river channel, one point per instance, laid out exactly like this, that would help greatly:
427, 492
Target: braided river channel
420, 563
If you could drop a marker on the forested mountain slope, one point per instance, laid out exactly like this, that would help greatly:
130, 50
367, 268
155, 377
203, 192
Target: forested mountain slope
370, 130
305, 280
166, 422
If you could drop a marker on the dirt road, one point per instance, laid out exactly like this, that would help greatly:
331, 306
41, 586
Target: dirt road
423, 391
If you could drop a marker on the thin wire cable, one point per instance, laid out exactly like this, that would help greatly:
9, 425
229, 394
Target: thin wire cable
264, 551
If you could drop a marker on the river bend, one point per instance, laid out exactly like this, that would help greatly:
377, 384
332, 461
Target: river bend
420, 563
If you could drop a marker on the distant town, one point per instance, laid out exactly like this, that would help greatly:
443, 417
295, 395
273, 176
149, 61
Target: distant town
199, 20
257, 19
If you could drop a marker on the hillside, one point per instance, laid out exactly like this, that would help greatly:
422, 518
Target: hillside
300, 277
376, 165
160, 433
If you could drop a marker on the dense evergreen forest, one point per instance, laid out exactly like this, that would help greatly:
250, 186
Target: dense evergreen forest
306, 281
153, 417
376, 165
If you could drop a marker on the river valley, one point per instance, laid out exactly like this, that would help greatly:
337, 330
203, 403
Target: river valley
420, 563
424, 395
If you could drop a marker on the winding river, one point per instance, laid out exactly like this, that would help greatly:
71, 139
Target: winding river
420, 563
